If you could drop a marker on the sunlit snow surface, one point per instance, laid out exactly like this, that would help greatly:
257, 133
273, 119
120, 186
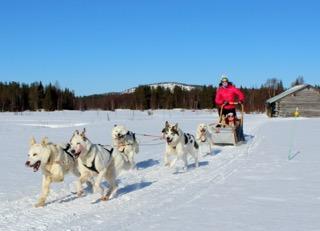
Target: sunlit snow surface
253, 186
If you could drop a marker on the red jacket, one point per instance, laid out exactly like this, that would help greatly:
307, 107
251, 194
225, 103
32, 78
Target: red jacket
228, 94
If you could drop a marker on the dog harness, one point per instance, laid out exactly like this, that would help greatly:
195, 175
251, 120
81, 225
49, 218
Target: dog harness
67, 152
93, 166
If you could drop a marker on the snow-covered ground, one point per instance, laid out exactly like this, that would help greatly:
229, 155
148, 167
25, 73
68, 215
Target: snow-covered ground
253, 186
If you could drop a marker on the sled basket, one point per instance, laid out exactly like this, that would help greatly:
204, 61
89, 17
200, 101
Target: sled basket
228, 135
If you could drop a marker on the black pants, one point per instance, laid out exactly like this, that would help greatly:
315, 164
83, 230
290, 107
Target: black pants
227, 111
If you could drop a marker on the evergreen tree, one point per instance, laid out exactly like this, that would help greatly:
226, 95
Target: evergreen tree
299, 80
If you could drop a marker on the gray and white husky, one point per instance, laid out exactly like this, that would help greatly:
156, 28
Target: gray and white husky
179, 145
94, 161
54, 161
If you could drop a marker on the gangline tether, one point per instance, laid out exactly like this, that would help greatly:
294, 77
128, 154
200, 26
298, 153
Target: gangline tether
155, 137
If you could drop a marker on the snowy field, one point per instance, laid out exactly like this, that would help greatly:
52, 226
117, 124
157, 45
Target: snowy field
253, 186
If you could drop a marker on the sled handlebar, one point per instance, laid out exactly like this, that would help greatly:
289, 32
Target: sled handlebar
232, 103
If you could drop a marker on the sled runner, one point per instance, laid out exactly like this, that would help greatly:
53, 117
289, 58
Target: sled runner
224, 133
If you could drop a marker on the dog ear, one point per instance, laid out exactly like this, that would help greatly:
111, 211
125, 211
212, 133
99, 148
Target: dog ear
167, 124
44, 141
83, 135
32, 141
175, 126
83, 132
115, 125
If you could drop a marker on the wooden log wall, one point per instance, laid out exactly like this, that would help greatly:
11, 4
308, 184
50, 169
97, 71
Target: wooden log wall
307, 100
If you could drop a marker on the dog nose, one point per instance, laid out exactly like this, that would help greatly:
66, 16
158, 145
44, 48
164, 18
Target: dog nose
168, 138
27, 163
73, 151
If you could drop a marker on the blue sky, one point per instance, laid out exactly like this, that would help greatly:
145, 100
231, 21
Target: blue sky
101, 46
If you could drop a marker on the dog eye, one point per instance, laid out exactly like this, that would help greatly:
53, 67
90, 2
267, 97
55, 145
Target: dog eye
78, 143
34, 154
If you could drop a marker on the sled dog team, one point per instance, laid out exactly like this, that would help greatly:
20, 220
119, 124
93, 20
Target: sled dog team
92, 163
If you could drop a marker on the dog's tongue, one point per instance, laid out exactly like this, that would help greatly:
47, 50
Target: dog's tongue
36, 167
77, 154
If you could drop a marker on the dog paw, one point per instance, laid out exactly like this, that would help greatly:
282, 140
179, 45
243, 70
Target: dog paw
80, 193
105, 198
39, 204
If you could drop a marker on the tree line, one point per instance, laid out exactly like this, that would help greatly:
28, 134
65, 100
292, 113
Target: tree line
35, 96
146, 97
20, 97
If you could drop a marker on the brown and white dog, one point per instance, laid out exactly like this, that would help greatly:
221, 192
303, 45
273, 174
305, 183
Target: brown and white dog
125, 142
54, 161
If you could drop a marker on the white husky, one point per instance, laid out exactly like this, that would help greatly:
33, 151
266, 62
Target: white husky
178, 145
125, 142
204, 138
94, 161
54, 161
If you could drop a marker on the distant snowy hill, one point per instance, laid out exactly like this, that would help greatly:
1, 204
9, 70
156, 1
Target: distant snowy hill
167, 85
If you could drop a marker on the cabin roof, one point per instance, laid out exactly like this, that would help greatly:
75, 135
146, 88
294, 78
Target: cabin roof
287, 92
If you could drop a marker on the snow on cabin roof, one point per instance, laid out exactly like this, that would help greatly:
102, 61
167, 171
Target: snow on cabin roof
287, 92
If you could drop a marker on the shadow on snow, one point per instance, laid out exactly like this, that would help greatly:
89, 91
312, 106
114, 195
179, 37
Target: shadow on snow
133, 187
147, 163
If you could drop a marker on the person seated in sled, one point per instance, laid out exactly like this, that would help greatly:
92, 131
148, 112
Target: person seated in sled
228, 121
231, 121
227, 94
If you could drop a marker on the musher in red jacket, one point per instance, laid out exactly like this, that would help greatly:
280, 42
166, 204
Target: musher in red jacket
227, 94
